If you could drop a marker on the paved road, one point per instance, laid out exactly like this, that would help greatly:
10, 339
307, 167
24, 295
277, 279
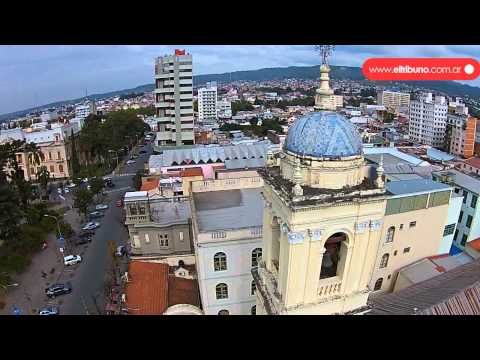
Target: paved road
88, 280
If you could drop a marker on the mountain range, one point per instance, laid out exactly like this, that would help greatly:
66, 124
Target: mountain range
451, 88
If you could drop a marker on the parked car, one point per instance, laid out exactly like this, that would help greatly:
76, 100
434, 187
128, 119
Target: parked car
120, 251
101, 207
58, 289
72, 260
119, 203
83, 240
96, 214
129, 162
70, 186
50, 310
90, 226
142, 152
86, 233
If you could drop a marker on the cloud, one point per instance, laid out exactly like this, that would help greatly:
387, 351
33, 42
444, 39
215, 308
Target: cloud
36, 75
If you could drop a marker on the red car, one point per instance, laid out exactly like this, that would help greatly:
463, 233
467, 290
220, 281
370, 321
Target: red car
119, 203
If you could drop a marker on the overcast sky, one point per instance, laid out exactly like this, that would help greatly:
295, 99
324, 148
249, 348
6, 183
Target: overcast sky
36, 75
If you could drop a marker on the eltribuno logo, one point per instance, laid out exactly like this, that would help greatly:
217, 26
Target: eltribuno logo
421, 69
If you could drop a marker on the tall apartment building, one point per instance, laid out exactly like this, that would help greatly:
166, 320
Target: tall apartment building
460, 135
207, 103
82, 111
428, 120
393, 101
174, 99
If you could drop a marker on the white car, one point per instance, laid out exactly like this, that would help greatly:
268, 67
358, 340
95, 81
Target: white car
70, 186
66, 190
101, 207
91, 226
129, 162
72, 260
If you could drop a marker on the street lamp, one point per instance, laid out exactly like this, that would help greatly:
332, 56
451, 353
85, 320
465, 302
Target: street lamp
58, 225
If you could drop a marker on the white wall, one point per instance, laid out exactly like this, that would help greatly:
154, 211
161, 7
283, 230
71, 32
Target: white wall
452, 218
238, 276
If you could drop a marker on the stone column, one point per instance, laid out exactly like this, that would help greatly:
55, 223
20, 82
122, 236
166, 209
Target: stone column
314, 265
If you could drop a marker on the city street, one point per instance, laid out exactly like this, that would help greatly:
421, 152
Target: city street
88, 277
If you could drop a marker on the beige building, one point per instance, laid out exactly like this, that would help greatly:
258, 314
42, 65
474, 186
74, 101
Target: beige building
326, 216
393, 101
53, 146
413, 227
157, 226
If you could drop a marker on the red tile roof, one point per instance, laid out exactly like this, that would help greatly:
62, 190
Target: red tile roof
182, 291
147, 289
474, 244
150, 185
473, 161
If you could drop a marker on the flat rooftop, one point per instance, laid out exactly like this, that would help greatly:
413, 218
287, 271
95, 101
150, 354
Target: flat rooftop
415, 186
228, 209
166, 212
465, 181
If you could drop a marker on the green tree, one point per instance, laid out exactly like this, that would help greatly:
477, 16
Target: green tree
82, 199
43, 177
96, 185
75, 163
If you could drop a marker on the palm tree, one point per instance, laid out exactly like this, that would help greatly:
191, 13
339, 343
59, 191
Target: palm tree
43, 177
33, 153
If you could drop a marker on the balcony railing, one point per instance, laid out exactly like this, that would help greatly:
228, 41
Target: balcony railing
329, 287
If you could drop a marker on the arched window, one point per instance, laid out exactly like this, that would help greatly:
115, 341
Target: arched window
221, 290
223, 312
378, 284
253, 288
220, 261
256, 255
384, 261
254, 310
390, 234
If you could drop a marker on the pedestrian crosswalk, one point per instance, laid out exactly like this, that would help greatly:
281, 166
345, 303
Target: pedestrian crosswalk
122, 175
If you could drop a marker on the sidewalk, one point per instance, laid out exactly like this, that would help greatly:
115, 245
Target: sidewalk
29, 296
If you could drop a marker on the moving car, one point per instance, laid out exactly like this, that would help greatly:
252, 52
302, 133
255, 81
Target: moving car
119, 203
58, 289
91, 226
96, 215
120, 251
101, 207
72, 260
50, 310
129, 162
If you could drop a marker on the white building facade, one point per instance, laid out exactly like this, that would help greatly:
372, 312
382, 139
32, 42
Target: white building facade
174, 99
224, 109
428, 120
207, 103
227, 233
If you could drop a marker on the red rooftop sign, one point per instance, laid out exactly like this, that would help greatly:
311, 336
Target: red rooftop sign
421, 69
179, 52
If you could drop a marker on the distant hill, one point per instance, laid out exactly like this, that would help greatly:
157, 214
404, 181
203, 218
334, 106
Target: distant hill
451, 88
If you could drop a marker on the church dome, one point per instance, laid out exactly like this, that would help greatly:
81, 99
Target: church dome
323, 134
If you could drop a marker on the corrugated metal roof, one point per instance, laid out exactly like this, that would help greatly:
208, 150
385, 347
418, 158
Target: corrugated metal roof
214, 154
415, 186
456, 292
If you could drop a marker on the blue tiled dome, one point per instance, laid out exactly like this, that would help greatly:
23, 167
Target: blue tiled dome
323, 134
